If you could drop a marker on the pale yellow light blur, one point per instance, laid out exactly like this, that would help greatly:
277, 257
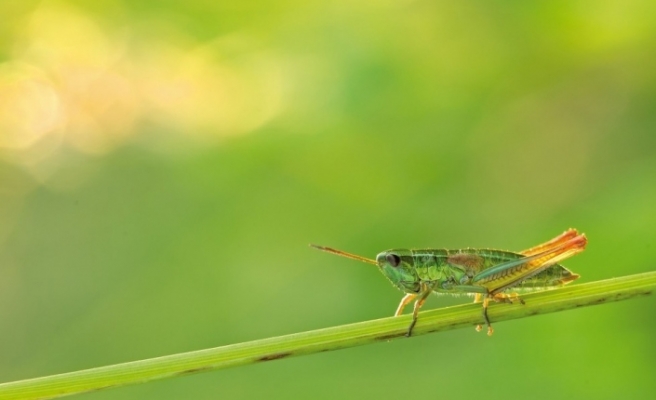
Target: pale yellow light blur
209, 94
74, 83
30, 106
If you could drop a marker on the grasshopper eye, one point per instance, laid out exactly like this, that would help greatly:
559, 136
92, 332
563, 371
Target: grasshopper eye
393, 259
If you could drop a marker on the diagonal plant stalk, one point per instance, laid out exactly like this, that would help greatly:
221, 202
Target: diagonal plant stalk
333, 338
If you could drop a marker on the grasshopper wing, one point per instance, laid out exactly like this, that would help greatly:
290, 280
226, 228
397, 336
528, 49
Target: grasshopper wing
508, 274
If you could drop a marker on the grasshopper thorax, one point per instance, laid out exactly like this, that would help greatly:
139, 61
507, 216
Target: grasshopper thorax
398, 266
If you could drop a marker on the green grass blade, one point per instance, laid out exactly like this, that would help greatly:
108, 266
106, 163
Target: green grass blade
326, 339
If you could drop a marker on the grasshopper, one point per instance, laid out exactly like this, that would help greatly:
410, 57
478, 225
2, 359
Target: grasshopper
488, 274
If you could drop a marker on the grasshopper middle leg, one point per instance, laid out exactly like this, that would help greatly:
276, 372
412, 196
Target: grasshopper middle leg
499, 298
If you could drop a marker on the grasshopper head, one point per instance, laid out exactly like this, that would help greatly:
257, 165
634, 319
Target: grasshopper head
398, 266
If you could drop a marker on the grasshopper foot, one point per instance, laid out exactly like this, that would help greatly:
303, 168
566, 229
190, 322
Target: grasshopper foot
486, 318
411, 327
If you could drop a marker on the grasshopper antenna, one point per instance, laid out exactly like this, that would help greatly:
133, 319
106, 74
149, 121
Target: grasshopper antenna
344, 254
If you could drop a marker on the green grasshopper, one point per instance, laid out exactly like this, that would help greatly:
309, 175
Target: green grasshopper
486, 273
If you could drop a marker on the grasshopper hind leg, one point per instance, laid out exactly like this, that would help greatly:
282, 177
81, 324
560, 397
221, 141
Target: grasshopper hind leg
507, 298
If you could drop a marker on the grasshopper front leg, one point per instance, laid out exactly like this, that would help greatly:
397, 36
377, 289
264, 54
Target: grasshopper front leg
404, 302
423, 295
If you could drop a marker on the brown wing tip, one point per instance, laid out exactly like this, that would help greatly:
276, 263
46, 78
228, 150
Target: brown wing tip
573, 237
579, 241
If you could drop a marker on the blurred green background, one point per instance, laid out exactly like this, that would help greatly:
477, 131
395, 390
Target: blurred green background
163, 166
